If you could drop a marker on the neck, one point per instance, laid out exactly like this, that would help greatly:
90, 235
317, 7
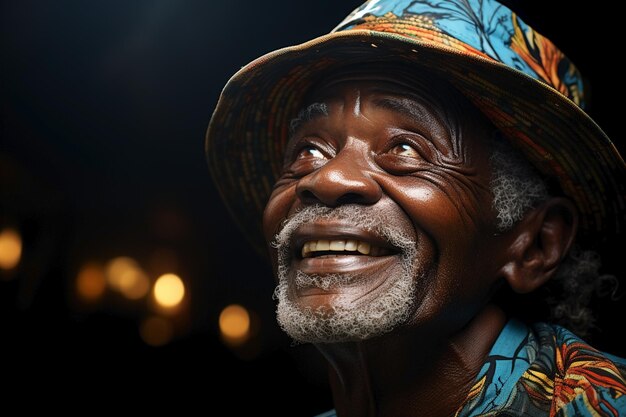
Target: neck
410, 373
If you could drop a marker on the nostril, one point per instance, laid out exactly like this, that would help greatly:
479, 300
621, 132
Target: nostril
342, 184
308, 196
348, 198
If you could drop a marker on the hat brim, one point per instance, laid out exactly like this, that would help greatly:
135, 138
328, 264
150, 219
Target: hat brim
249, 128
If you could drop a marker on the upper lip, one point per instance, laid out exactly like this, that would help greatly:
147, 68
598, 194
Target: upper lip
329, 230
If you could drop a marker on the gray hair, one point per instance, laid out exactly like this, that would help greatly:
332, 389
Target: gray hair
518, 187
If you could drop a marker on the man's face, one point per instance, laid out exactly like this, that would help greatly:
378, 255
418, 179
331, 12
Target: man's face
382, 216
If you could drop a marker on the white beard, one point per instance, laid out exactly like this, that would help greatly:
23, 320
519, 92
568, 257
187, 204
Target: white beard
344, 321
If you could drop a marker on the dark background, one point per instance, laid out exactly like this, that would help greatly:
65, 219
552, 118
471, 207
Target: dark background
104, 110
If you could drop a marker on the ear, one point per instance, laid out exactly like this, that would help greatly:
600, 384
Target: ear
539, 242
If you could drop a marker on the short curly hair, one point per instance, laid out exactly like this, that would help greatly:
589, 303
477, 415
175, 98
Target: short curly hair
517, 187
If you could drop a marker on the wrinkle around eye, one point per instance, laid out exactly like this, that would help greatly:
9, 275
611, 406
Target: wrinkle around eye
283, 184
404, 149
421, 143
402, 165
300, 167
314, 141
420, 156
309, 151
298, 164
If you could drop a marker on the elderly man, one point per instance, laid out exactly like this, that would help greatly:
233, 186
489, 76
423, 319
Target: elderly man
426, 158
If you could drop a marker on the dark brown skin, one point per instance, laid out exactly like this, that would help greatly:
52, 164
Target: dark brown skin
390, 144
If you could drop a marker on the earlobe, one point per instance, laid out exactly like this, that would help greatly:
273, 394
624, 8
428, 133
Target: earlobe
539, 242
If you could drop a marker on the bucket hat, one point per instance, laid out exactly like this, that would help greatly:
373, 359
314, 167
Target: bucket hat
519, 79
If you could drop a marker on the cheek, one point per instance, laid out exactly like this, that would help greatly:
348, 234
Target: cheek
429, 208
452, 243
442, 201
277, 209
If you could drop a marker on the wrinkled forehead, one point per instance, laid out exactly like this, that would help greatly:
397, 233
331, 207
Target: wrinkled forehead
433, 97
393, 79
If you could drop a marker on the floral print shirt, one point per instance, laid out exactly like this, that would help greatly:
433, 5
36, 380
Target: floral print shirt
545, 370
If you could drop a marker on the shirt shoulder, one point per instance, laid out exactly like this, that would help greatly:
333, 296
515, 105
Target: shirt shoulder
573, 378
545, 370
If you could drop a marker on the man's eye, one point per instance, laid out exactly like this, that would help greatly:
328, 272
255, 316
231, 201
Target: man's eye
310, 152
404, 149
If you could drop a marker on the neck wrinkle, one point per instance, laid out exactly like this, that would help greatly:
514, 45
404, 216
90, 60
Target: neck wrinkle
402, 375
368, 379
350, 379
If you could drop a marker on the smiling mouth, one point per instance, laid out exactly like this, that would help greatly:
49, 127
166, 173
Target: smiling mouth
329, 247
326, 248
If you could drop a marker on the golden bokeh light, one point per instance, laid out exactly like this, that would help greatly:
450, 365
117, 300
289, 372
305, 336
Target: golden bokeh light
156, 331
10, 248
134, 284
126, 276
90, 282
116, 268
234, 324
169, 290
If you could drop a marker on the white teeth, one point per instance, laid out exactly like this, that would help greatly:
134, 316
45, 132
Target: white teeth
306, 249
323, 245
364, 248
337, 244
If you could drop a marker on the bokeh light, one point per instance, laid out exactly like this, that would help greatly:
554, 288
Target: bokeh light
117, 267
156, 331
169, 290
134, 284
10, 248
90, 282
234, 322
126, 276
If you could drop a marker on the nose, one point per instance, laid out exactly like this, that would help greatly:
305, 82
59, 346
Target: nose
342, 180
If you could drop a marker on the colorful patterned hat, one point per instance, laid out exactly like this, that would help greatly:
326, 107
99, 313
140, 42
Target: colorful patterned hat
514, 75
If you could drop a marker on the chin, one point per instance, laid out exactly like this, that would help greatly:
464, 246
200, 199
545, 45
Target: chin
343, 308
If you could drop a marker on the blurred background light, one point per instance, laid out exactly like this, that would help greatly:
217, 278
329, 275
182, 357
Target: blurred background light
90, 282
116, 268
134, 284
156, 331
126, 276
10, 248
169, 290
234, 323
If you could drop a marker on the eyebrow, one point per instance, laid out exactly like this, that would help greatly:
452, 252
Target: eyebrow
404, 106
307, 114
